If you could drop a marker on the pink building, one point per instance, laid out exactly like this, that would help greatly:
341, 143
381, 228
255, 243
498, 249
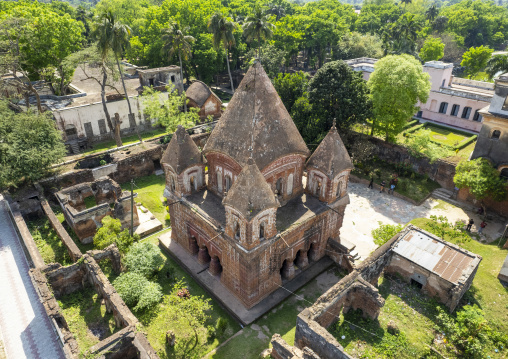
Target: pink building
453, 101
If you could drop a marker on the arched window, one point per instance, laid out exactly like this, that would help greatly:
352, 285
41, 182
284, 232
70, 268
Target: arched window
237, 230
290, 184
172, 183
495, 135
318, 188
219, 182
443, 107
278, 186
466, 112
339, 189
262, 231
193, 185
228, 182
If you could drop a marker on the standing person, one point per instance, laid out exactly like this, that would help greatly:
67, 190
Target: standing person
392, 188
383, 184
469, 225
482, 226
371, 183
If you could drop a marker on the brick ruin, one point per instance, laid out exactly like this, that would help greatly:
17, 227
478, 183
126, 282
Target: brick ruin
110, 201
446, 269
255, 218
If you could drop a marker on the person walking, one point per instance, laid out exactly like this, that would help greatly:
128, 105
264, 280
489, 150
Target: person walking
482, 226
383, 184
469, 225
371, 183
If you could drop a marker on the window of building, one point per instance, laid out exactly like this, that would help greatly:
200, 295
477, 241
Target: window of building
102, 127
466, 112
71, 131
262, 231
237, 230
419, 114
172, 78
228, 183
443, 84
477, 117
455, 110
443, 107
151, 81
495, 135
278, 186
339, 189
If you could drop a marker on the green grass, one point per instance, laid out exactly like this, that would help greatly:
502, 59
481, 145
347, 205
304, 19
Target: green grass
90, 202
47, 241
107, 145
87, 318
150, 191
156, 324
415, 314
282, 320
446, 136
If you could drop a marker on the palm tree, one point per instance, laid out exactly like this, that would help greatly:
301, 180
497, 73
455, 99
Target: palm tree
258, 26
277, 9
496, 64
175, 41
111, 35
406, 33
405, 2
222, 30
431, 13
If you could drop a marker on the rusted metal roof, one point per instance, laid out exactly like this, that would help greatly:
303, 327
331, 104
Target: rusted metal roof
436, 255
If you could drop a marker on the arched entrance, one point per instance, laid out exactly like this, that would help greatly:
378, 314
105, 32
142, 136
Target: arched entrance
215, 267
313, 252
193, 245
287, 271
301, 260
203, 256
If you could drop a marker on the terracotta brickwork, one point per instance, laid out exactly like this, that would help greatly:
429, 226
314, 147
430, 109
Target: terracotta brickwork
253, 224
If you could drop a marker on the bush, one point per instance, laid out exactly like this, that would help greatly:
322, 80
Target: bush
111, 232
410, 124
413, 129
144, 258
221, 326
385, 232
137, 291
466, 143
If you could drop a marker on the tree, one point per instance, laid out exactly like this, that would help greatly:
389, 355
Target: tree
113, 36
431, 13
111, 233
475, 59
144, 258
354, 45
337, 92
385, 232
401, 37
29, 144
290, 87
497, 64
420, 144
397, 84
222, 30
175, 41
258, 26
481, 179
137, 291
432, 49
405, 2
167, 112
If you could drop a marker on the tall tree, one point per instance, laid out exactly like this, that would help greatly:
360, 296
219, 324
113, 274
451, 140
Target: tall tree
258, 26
497, 64
431, 13
397, 84
222, 30
432, 49
29, 144
175, 41
113, 36
475, 59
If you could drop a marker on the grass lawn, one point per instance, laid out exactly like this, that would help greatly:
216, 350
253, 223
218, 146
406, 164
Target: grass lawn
463, 154
446, 136
156, 324
150, 191
87, 318
282, 320
414, 313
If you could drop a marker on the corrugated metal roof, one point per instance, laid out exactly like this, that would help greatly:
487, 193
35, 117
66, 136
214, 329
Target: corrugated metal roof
433, 255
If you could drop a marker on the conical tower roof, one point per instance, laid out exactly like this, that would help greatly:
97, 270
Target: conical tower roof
181, 152
250, 193
331, 156
256, 117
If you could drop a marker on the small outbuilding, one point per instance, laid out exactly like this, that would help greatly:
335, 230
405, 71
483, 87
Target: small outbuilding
439, 268
202, 97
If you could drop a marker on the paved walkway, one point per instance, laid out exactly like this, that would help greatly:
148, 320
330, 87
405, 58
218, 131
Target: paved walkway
369, 207
24, 326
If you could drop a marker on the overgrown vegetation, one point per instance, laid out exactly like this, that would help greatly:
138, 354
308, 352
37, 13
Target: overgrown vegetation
111, 233
48, 243
385, 232
144, 259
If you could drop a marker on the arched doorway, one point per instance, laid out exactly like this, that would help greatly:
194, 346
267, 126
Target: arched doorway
287, 270
192, 184
313, 252
194, 248
203, 256
301, 261
215, 267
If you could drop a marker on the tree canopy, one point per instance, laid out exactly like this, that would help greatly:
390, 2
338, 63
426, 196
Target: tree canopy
397, 84
481, 179
432, 49
475, 59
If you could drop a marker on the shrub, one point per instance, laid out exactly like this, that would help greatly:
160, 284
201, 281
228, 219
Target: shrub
111, 232
137, 291
385, 232
144, 258
466, 143
102, 162
221, 326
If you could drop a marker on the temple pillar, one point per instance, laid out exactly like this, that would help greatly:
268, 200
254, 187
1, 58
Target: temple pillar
203, 256
302, 261
194, 248
215, 266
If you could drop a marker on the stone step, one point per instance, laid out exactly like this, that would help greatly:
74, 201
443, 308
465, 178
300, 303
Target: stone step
74, 148
446, 198
444, 191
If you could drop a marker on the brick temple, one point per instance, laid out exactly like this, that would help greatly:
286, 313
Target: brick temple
253, 204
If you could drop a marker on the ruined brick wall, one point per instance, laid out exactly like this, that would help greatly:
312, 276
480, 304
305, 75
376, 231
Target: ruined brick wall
66, 280
56, 183
282, 350
500, 208
135, 165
